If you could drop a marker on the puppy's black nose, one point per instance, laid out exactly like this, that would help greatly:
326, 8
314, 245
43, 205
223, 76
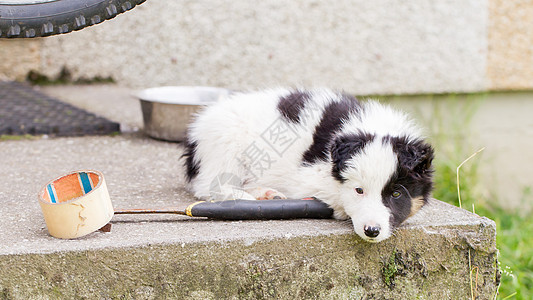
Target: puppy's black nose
372, 231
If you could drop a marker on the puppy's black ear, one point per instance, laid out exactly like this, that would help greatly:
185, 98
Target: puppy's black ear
415, 155
343, 148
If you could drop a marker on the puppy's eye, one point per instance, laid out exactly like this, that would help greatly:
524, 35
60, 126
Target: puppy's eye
396, 194
359, 190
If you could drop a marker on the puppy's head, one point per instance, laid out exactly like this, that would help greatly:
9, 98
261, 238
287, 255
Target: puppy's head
383, 180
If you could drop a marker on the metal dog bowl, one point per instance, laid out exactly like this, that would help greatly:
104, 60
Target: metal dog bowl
168, 110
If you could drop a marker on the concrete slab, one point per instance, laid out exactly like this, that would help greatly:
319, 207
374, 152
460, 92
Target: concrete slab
175, 256
140, 173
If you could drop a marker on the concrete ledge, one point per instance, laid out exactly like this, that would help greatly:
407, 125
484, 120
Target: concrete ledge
173, 256
147, 257
430, 257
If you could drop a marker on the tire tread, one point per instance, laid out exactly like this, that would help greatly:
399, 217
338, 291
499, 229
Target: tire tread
44, 20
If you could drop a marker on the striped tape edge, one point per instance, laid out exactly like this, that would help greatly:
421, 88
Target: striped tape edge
85, 182
52, 193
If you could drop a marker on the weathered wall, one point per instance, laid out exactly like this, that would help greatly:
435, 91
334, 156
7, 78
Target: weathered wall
385, 47
362, 47
18, 57
510, 54
380, 47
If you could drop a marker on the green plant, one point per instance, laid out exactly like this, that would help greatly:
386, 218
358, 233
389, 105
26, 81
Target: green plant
6, 137
514, 230
64, 77
515, 242
389, 270
449, 118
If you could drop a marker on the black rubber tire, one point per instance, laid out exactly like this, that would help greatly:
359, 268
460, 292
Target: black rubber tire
57, 17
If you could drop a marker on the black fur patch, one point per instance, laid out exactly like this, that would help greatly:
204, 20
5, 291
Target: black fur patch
343, 148
333, 116
292, 104
413, 176
400, 207
414, 156
192, 165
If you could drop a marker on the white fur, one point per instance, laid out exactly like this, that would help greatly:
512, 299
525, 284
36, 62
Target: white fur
375, 166
225, 131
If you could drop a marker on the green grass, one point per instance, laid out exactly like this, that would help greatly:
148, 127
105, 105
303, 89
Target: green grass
514, 237
7, 137
64, 77
514, 228
515, 242
448, 119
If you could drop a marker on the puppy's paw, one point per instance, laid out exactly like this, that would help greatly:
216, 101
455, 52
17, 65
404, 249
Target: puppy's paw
261, 193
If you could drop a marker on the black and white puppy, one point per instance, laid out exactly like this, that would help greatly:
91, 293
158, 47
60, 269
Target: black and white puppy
365, 160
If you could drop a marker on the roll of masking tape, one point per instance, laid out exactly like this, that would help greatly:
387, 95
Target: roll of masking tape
76, 204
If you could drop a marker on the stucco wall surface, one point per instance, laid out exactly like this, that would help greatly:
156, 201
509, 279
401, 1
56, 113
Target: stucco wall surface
359, 46
511, 45
18, 57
